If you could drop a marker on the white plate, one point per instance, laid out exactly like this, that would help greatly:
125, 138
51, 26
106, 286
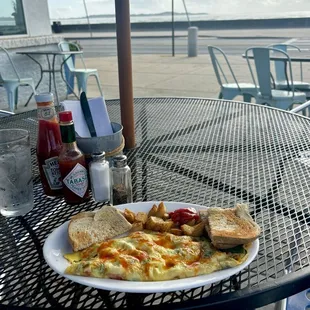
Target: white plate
57, 244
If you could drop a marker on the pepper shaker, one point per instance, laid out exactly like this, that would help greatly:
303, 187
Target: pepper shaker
121, 188
100, 177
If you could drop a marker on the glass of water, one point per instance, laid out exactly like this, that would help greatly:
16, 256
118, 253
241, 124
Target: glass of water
16, 189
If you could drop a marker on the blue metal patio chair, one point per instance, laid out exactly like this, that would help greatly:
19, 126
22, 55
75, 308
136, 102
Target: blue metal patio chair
281, 99
281, 79
12, 82
230, 90
301, 107
81, 75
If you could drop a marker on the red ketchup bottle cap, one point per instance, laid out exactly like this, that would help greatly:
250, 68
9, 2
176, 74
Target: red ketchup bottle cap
65, 116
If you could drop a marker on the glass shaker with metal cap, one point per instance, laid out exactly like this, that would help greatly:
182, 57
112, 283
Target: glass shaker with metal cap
99, 173
121, 188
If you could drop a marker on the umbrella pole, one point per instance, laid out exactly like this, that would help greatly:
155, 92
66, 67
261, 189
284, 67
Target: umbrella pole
122, 13
172, 26
86, 11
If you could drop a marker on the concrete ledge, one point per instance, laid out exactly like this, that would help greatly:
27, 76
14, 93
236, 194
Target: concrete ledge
21, 42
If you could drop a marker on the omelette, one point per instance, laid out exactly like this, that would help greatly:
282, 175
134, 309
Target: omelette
153, 256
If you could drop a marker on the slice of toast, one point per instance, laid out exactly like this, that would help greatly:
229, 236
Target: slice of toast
228, 228
87, 228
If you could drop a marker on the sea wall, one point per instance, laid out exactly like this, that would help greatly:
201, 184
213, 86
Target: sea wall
211, 24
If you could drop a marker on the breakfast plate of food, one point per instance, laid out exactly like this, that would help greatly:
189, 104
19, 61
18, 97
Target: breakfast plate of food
150, 247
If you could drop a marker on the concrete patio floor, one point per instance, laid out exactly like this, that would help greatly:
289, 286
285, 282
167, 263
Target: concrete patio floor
157, 75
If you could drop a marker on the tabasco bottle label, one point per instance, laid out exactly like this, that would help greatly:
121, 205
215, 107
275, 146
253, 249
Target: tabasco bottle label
52, 173
77, 180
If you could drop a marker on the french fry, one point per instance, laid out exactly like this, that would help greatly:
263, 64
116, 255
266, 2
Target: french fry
153, 211
158, 224
187, 230
193, 231
129, 215
141, 217
192, 222
137, 226
166, 216
161, 210
198, 229
176, 231
151, 223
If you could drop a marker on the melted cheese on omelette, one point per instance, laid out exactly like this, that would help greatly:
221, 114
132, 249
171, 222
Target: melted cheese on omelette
151, 256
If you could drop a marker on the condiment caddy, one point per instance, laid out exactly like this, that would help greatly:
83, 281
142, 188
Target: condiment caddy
63, 167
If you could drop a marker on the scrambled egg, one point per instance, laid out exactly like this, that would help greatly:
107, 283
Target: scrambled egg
151, 256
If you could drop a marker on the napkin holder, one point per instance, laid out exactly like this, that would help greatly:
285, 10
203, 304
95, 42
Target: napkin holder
112, 145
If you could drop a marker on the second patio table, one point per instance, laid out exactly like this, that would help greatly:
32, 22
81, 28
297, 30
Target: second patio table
204, 151
52, 70
293, 59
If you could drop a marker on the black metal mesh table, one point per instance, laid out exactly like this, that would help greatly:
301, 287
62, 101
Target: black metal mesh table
208, 152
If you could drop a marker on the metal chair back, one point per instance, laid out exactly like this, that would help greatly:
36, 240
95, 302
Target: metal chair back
14, 70
64, 46
219, 72
280, 65
262, 65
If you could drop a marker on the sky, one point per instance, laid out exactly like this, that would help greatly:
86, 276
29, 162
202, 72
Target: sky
75, 8
6, 7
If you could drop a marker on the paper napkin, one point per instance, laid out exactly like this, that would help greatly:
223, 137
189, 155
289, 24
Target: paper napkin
99, 112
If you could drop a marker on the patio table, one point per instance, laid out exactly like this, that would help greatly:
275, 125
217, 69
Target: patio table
205, 151
52, 70
293, 59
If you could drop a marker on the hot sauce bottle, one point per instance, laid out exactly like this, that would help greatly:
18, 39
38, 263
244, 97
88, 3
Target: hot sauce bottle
48, 145
72, 163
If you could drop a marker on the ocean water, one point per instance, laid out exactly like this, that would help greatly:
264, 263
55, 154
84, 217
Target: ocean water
182, 17
7, 22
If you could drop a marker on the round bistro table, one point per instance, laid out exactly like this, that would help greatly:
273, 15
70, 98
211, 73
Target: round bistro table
205, 151
52, 67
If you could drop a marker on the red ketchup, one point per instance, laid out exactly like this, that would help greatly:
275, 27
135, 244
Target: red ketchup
182, 216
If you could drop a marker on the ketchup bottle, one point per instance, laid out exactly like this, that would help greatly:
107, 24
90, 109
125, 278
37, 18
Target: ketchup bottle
48, 145
72, 163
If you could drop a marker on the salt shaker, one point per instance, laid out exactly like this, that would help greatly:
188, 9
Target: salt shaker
121, 188
100, 177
